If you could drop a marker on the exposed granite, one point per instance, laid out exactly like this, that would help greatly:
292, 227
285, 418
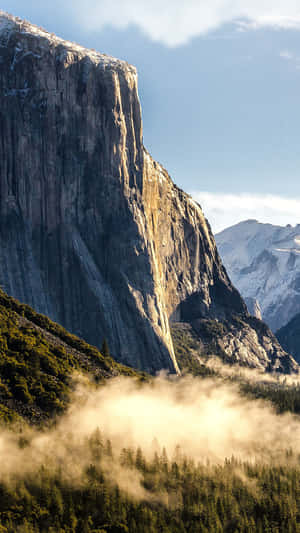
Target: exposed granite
245, 341
93, 232
253, 307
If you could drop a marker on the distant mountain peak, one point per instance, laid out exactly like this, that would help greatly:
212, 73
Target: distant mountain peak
250, 221
263, 261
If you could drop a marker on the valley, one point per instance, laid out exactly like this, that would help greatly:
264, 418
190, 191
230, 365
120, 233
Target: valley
140, 391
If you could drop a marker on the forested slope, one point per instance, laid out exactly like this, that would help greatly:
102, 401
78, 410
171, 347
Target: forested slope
37, 361
170, 494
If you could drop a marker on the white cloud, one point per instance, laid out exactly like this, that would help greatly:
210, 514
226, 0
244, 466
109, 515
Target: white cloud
285, 54
223, 210
175, 22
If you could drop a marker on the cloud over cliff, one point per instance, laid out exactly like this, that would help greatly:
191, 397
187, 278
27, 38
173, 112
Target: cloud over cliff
171, 22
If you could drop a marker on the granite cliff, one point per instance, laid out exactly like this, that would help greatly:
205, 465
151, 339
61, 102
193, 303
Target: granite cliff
93, 232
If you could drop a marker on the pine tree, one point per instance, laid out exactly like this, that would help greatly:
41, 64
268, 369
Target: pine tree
140, 462
105, 349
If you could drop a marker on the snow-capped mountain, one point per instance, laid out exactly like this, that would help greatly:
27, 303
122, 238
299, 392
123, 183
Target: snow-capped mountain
263, 262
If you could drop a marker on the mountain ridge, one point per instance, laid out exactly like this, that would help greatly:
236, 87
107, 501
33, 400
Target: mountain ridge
263, 261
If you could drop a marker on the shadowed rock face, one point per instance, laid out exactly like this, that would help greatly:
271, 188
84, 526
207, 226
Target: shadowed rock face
289, 337
93, 232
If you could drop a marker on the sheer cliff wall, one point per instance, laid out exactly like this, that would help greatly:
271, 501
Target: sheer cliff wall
93, 232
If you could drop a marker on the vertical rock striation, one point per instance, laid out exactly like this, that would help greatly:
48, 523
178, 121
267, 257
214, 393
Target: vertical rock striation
93, 232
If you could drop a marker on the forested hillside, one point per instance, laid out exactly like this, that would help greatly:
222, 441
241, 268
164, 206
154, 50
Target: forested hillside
37, 361
179, 497
98, 486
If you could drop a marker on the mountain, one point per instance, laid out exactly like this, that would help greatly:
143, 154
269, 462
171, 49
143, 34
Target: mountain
263, 262
37, 361
289, 337
93, 232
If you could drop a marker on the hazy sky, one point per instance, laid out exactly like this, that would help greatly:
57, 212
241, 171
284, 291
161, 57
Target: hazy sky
220, 89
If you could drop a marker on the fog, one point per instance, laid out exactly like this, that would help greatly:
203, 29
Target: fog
207, 418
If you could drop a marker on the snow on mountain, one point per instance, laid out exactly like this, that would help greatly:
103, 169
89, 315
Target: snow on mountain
263, 262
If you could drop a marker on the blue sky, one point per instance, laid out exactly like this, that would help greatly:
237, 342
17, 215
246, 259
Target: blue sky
220, 91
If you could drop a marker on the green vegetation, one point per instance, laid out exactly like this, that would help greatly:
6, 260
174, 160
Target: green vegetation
189, 352
105, 349
284, 398
37, 360
188, 337
212, 328
72, 341
179, 497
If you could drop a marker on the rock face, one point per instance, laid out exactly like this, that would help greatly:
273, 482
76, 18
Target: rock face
263, 261
253, 307
244, 340
289, 337
93, 232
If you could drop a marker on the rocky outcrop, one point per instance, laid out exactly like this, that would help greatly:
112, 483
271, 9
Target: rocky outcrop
93, 231
244, 340
253, 307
